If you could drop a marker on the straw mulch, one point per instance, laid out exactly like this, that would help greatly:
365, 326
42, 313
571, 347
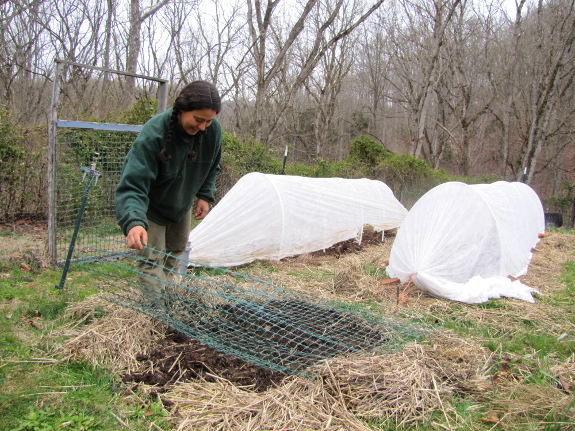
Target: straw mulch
298, 404
107, 335
335, 276
400, 388
403, 388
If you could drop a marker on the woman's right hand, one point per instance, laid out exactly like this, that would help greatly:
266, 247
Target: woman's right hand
137, 238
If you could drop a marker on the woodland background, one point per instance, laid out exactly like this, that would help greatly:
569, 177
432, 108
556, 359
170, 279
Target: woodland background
410, 92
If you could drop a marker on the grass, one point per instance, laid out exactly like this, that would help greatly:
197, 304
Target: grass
566, 295
532, 350
38, 391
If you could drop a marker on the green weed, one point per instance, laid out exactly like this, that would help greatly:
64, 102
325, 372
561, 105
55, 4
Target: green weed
374, 271
312, 275
49, 419
568, 277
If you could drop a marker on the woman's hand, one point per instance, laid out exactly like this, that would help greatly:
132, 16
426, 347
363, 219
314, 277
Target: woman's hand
202, 209
137, 238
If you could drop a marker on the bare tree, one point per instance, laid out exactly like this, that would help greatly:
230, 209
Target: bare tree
262, 29
324, 86
437, 14
505, 78
137, 17
36, 33
155, 48
21, 55
550, 64
108, 45
468, 97
182, 41
417, 37
201, 42
373, 71
220, 34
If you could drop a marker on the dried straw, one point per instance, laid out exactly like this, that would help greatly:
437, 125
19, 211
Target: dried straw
523, 403
109, 335
400, 388
298, 404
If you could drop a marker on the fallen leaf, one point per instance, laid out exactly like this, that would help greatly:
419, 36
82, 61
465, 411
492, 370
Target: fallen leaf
25, 267
566, 386
389, 281
492, 419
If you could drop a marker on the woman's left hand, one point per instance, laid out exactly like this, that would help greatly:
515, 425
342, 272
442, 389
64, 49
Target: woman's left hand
202, 209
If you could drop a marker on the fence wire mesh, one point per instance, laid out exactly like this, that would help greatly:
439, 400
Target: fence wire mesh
74, 150
92, 110
247, 318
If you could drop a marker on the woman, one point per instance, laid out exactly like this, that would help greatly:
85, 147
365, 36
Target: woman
174, 160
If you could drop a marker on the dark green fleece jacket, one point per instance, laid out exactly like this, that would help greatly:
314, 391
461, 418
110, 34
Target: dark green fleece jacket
150, 189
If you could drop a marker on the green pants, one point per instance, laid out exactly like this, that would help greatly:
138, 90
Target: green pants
160, 259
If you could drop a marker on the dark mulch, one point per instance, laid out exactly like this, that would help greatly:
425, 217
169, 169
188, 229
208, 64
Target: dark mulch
180, 358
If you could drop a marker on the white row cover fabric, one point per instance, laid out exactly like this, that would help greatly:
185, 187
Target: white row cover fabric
270, 217
461, 242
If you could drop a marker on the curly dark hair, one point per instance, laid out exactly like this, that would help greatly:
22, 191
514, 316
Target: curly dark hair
195, 96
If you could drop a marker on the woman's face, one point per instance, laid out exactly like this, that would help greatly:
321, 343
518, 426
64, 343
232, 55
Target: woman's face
194, 121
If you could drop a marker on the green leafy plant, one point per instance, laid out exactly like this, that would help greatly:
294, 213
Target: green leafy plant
48, 419
368, 151
242, 158
141, 111
22, 177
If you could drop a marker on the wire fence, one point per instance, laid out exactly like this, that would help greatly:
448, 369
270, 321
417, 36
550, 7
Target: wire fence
247, 318
74, 149
82, 92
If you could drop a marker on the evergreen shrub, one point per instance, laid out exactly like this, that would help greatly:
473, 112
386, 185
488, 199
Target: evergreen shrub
368, 151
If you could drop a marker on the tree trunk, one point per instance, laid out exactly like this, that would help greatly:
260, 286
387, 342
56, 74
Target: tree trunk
137, 17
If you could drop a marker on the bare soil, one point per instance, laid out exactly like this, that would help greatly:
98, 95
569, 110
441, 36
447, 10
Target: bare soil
181, 359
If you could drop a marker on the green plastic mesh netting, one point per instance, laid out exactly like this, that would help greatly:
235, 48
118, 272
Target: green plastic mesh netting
273, 327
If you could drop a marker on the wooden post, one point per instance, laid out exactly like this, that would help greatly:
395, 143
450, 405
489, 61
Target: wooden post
162, 97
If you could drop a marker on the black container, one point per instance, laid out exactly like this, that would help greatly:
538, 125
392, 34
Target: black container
553, 220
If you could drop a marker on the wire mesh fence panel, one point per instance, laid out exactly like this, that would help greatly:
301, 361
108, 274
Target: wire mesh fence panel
93, 110
273, 327
74, 150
